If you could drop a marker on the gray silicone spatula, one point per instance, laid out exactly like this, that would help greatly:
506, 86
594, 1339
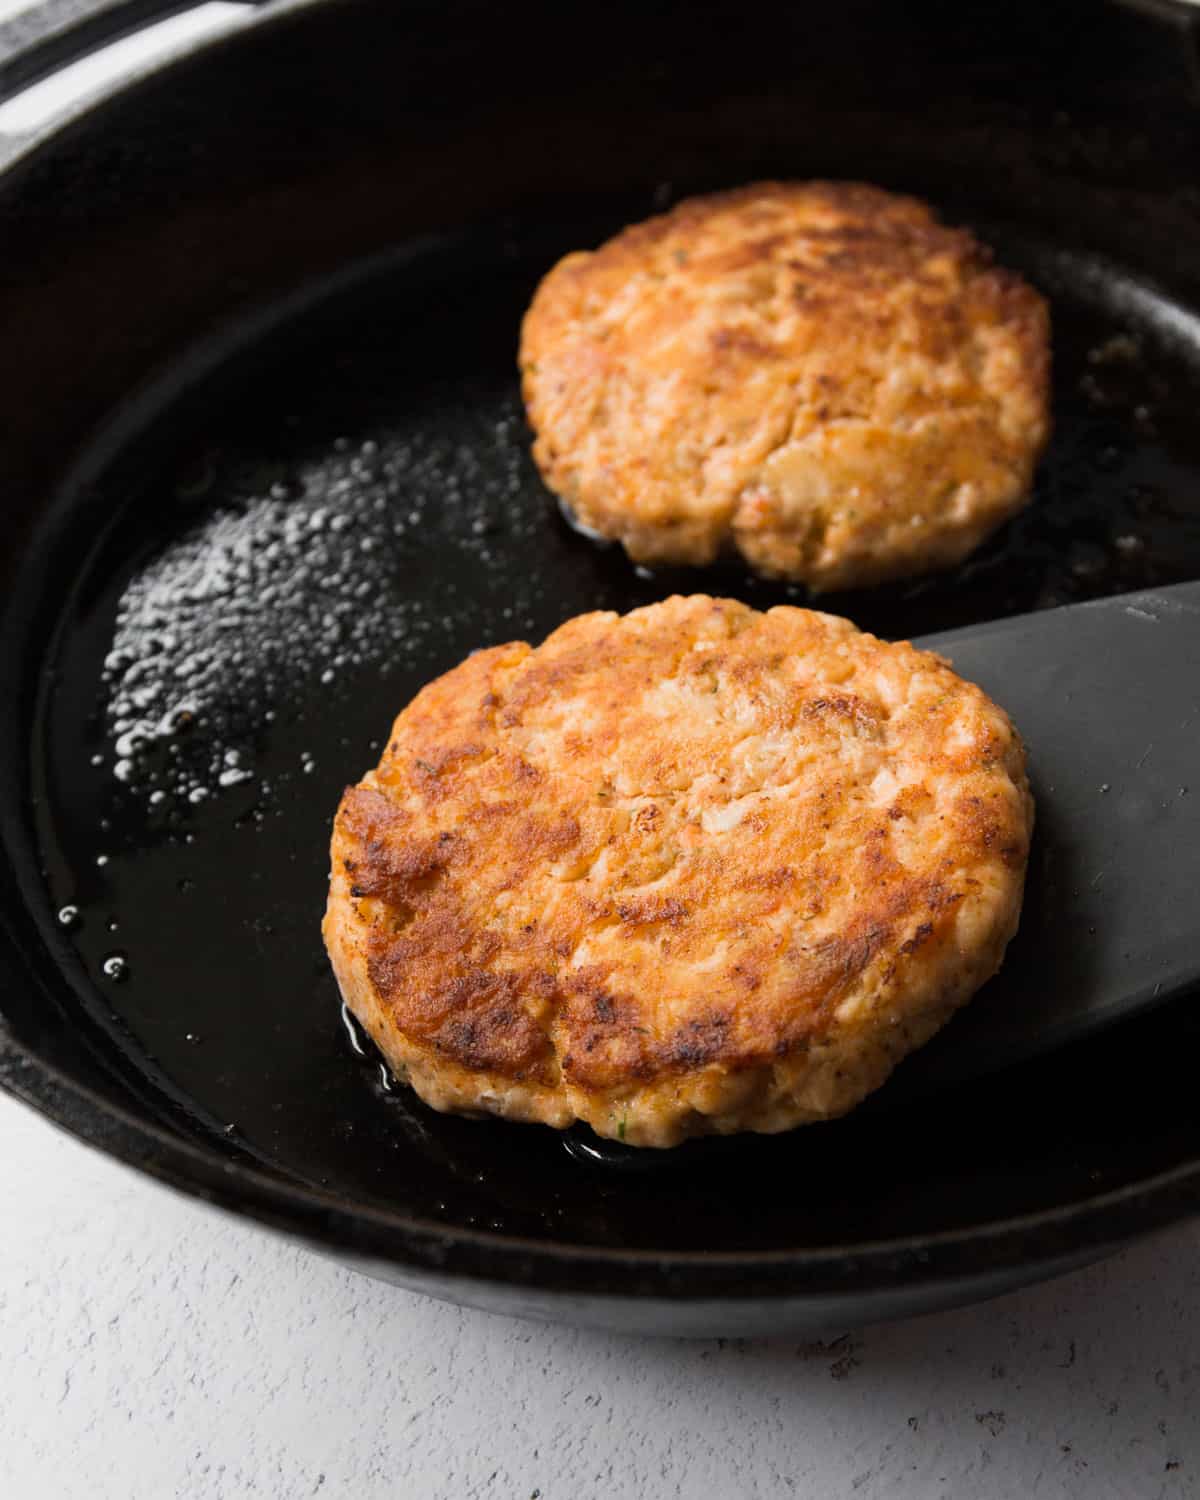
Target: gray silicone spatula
1107, 699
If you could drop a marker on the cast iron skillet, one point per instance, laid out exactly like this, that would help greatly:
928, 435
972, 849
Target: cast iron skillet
265, 472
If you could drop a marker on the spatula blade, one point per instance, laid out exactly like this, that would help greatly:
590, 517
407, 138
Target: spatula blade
1106, 696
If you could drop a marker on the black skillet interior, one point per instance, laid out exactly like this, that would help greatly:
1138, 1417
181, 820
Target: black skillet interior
271, 474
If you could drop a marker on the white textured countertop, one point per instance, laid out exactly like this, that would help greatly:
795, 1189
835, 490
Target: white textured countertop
154, 1349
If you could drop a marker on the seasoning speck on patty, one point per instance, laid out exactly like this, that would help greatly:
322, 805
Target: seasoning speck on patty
693, 869
819, 375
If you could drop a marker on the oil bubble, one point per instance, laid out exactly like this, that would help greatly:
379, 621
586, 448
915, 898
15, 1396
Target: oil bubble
115, 967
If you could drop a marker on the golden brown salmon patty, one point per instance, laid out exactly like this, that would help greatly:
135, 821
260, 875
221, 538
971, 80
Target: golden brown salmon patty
819, 373
685, 870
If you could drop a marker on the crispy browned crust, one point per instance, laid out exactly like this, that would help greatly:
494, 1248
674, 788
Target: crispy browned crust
819, 374
690, 869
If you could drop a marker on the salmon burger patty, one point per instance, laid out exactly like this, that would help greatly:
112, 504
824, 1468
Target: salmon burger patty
820, 376
688, 870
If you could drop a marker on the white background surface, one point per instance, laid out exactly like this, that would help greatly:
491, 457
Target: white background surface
153, 1349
